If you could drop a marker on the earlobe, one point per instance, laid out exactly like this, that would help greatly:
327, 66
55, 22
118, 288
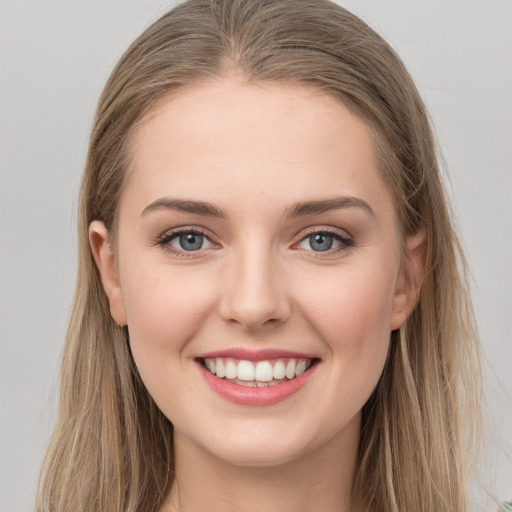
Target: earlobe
408, 286
107, 266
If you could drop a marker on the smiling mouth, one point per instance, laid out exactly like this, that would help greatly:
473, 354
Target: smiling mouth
257, 374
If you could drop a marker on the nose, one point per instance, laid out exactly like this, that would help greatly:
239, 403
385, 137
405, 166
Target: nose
254, 291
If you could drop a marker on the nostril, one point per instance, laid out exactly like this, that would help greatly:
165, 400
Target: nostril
254, 295
253, 316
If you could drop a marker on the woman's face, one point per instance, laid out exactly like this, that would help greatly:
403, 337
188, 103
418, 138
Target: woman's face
256, 237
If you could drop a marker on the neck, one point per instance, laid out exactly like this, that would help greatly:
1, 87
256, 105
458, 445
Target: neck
319, 480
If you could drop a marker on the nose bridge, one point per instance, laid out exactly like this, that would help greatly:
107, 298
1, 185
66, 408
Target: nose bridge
254, 294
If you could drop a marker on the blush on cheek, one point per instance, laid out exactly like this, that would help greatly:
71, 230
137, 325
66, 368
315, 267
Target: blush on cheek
351, 304
164, 313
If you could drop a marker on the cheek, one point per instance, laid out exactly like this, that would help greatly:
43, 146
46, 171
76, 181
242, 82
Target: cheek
351, 307
164, 311
350, 314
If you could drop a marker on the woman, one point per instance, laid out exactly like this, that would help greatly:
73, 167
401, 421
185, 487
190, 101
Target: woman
271, 308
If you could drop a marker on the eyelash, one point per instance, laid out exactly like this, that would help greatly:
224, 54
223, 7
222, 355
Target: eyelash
165, 239
345, 240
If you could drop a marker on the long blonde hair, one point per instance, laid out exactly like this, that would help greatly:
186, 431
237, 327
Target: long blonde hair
112, 448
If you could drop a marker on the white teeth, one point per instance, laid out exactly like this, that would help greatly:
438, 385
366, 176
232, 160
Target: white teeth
248, 383
231, 370
301, 368
279, 370
210, 363
290, 369
220, 370
255, 383
246, 370
263, 371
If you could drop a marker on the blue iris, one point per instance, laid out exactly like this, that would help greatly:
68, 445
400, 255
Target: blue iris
191, 241
320, 242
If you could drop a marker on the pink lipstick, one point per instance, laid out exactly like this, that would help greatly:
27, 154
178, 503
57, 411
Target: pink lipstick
256, 378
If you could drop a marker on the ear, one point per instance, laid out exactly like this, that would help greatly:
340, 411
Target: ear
107, 266
412, 272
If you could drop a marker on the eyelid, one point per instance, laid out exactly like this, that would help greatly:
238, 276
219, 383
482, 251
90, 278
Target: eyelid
324, 229
342, 236
164, 239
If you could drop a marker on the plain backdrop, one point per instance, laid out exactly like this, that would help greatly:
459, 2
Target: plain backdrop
55, 56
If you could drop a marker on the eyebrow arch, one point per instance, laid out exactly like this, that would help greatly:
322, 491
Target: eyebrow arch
325, 205
299, 210
184, 205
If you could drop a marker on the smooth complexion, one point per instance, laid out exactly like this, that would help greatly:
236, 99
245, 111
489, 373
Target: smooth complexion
256, 171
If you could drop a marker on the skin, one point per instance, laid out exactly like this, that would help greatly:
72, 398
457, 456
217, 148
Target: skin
255, 152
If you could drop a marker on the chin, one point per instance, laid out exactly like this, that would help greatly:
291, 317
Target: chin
253, 447
258, 455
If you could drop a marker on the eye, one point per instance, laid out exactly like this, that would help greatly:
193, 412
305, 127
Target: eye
188, 240
322, 241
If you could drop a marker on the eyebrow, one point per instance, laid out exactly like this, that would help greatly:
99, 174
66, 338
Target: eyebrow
185, 205
325, 205
298, 210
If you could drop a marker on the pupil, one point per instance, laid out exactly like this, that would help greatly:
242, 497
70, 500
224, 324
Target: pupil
191, 241
320, 242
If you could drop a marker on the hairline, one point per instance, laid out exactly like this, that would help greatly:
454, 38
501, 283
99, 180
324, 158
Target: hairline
381, 148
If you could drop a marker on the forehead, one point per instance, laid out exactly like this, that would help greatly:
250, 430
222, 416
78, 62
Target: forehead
229, 139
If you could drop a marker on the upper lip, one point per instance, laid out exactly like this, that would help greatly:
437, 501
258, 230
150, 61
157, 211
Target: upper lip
256, 355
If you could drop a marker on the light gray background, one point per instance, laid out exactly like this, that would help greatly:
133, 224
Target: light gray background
55, 57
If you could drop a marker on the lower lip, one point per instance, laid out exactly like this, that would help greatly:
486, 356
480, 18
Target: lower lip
254, 396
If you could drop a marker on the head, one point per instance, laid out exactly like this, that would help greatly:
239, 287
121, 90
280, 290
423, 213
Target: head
317, 53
